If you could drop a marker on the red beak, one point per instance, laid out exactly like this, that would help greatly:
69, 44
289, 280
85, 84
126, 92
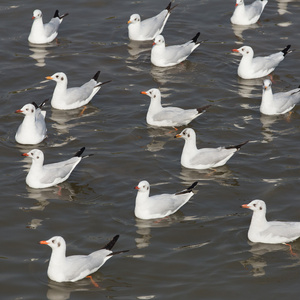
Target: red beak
44, 242
18, 111
25, 154
137, 188
145, 93
235, 50
245, 206
153, 44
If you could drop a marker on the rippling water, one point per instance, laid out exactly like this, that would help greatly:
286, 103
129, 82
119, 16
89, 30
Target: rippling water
202, 251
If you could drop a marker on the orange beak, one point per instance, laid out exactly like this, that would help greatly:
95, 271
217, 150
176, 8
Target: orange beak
25, 154
18, 111
49, 78
245, 206
235, 50
129, 22
143, 92
178, 136
44, 242
137, 188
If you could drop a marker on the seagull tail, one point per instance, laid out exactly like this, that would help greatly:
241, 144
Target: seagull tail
188, 190
286, 50
194, 39
79, 152
238, 147
203, 109
43, 103
118, 252
169, 8
101, 83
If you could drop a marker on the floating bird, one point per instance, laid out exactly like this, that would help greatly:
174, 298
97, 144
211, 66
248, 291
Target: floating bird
69, 98
169, 116
42, 176
279, 103
64, 268
44, 33
204, 158
259, 66
150, 28
33, 128
162, 56
247, 14
159, 206
273, 232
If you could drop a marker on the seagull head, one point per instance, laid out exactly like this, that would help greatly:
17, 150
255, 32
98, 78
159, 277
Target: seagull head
35, 154
135, 18
187, 134
239, 2
245, 51
256, 205
55, 242
37, 14
59, 77
267, 84
143, 187
159, 40
27, 109
152, 93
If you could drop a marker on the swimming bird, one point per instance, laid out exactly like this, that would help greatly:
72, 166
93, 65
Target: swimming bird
150, 28
204, 158
247, 14
64, 268
42, 176
162, 56
44, 33
159, 206
69, 98
33, 129
273, 232
169, 116
279, 103
259, 66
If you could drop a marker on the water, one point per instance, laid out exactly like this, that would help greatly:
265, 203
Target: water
202, 251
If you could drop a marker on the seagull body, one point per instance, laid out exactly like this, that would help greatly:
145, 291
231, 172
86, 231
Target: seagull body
33, 128
159, 206
64, 268
279, 103
169, 116
162, 56
150, 28
44, 33
255, 67
42, 176
65, 98
204, 158
247, 14
273, 232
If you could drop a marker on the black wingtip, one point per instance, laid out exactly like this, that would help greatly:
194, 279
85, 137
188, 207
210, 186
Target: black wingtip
64, 15
96, 76
194, 39
43, 103
188, 190
101, 83
110, 245
79, 152
56, 14
35, 105
285, 51
169, 8
238, 147
203, 108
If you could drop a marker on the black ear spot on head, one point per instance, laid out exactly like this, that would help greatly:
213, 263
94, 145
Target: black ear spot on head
58, 244
32, 110
260, 208
37, 157
188, 135
154, 96
147, 188
62, 79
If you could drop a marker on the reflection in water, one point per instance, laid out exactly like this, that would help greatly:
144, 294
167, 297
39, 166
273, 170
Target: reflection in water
40, 52
258, 262
238, 31
282, 6
135, 48
246, 86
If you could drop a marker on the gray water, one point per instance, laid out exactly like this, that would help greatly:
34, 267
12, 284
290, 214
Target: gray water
202, 251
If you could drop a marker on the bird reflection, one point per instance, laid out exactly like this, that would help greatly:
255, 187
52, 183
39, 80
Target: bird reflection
282, 6
259, 263
246, 86
135, 48
40, 52
238, 31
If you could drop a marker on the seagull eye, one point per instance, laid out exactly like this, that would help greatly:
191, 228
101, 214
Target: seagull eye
56, 76
31, 153
27, 109
53, 241
254, 205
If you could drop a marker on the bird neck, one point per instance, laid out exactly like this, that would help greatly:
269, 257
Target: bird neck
190, 146
267, 99
155, 105
258, 220
37, 25
58, 257
142, 197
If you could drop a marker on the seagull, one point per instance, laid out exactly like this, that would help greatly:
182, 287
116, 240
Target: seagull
279, 103
204, 158
250, 68
33, 128
150, 28
169, 116
159, 206
162, 56
44, 33
247, 14
64, 268
273, 232
42, 176
65, 98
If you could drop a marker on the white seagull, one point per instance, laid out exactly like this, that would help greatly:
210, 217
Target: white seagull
273, 232
204, 158
64, 268
247, 14
33, 129
260, 66
169, 116
150, 28
44, 33
65, 98
159, 206
162, 56
279, 103
42, 176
